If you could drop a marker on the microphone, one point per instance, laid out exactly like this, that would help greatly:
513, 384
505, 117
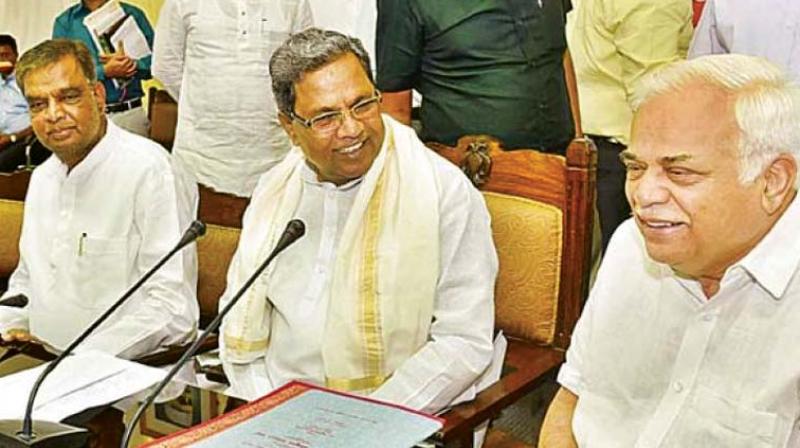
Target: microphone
58, 434
196, 230
295, 229
17, 301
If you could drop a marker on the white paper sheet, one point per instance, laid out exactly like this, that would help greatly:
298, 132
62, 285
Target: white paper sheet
130, 38
102, 19
80, 382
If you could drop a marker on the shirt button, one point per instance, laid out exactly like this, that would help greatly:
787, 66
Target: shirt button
677, 386
708, 317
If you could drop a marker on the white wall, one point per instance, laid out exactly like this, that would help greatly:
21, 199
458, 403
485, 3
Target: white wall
30, 21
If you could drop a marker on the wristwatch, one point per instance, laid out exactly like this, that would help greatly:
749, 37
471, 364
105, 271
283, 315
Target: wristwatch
13, 138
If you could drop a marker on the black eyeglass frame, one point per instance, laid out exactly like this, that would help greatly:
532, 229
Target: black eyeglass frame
309, 122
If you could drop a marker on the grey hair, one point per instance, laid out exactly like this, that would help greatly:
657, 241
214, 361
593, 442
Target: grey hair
767, 104
51, 51
305, 52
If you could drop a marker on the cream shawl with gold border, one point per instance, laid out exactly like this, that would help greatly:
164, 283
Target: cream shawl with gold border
387, 265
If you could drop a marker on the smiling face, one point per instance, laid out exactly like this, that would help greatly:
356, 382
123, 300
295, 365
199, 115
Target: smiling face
683, 182
348, 152
66, 109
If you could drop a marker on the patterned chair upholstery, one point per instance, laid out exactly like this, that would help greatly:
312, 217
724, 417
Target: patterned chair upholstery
11, 223
222, 214
542, 212
12, 193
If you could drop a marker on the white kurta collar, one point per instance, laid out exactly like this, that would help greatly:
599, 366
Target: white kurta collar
774, 260
95, 157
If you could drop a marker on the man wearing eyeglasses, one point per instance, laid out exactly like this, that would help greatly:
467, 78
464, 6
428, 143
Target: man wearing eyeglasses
97, 213
390, 292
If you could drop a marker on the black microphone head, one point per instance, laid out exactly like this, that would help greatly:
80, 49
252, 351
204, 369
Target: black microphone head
296, 228
198, 228
195, 231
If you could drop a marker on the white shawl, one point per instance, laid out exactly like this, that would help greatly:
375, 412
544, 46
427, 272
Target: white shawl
384, 281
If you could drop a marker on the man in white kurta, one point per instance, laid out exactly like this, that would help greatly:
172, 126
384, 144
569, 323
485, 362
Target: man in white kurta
212, 57
97, 216
390, 292
357, 18
689, 337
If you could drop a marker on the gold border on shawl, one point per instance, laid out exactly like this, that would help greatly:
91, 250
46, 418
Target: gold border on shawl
370, 318
367, 383
368, 289
242, 345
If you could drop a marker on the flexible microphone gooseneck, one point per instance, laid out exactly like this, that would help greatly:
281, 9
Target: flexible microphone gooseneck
294, 230
26, 435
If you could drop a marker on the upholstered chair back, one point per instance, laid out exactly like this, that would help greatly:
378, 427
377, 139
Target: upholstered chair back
542, 208
11, 225
222, 214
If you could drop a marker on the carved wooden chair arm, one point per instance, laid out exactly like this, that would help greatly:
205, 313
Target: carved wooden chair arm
525, 367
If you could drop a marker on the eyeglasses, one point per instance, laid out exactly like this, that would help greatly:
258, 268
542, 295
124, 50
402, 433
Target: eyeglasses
327, 122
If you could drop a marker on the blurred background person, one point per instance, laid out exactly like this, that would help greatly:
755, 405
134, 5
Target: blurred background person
121, 75
212, 57
18, 147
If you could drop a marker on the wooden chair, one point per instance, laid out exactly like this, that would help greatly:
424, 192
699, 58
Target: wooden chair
542, 213
162, 111
12, 192
222, 213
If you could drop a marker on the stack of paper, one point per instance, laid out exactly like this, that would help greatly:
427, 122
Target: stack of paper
113, 31
80, 382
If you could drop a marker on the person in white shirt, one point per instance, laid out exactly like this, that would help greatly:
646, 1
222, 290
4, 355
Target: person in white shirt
212, 57
356, 18
766, 28
689, 336
97, 216
390, 291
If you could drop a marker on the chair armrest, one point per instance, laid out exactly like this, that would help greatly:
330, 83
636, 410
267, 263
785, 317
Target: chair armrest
165, 357
526, 365
33, 349
172, 354
216, 374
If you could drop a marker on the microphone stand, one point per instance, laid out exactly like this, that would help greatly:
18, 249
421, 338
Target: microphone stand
53, 434
294, 230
